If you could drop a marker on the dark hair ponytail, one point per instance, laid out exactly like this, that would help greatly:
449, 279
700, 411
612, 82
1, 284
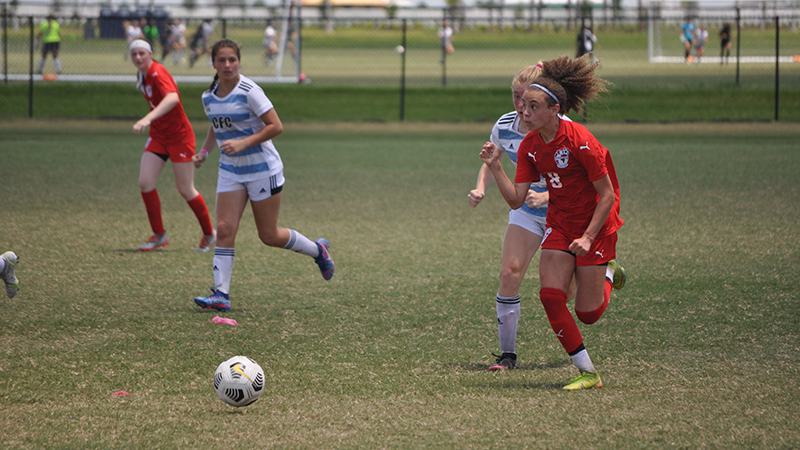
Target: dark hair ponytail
213, 83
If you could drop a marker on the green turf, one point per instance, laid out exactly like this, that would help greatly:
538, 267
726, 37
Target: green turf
698, 351
375, 104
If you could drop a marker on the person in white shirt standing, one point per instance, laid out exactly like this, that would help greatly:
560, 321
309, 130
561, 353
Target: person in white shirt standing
243, 123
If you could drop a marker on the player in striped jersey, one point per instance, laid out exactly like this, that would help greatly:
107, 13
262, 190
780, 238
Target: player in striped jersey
525, 225
243, 123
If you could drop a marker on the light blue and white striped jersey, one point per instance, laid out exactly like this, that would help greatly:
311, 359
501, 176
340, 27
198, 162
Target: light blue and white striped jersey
236, 116
506, 135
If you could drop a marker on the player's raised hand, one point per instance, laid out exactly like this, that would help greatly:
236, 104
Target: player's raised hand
537, 199
490, 153
141, 126
199, 158
475, 196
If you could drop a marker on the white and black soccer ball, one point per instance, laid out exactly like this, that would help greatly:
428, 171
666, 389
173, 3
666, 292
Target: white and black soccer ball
239, 381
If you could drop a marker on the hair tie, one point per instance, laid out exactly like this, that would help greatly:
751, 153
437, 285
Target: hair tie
546, 91
539, 65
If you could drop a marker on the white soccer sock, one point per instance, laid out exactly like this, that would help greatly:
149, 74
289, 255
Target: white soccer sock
41, 65
610, 273
507, 320
58, 64
223, 268
582, 361
301, 244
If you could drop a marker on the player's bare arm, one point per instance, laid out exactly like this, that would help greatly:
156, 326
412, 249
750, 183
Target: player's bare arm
514, 194
272, 128
209, 144
485, 179
604, 187
170, 101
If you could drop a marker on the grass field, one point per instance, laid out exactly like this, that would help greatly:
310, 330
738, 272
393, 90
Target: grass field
698, 351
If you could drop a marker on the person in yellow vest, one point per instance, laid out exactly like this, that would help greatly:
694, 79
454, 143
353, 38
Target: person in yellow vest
50, 35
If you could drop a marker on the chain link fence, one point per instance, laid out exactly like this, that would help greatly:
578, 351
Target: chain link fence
378, 49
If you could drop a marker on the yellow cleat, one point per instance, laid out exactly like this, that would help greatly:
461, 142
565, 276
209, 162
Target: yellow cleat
587, 380
619, 275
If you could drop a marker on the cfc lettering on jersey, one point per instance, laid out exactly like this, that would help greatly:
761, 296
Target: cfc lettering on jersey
562, 158
221, 122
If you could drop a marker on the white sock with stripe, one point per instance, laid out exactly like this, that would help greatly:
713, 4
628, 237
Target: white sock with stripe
301, 244
507, 319
223, 268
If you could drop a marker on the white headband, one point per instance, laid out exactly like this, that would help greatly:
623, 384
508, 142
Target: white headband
546, 91
140, 43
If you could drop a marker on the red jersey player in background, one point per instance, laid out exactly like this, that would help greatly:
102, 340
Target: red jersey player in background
583, 213
171, 137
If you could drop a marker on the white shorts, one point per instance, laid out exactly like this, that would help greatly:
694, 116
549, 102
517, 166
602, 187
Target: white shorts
257, 190
527, 221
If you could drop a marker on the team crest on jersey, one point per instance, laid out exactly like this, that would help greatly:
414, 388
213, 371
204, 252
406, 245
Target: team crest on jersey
148, 90
562, 158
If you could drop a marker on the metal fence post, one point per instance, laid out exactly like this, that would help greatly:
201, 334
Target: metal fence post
5, 42
738, 40
403, 76
30, 70
777, 63
444, 50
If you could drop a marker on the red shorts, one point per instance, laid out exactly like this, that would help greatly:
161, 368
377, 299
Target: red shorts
603, 249
177, 149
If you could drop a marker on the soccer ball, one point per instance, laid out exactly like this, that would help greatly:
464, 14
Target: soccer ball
400, 49
239, 381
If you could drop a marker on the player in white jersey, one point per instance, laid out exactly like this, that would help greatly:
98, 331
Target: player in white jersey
526, 225
243, 123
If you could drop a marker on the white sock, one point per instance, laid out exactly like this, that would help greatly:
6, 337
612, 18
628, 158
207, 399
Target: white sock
301, 244
41, 66
223, 268
582, 361
58, 64
507, 320
610, 273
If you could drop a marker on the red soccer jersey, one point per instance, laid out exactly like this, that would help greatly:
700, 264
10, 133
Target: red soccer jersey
155, 85
571, 162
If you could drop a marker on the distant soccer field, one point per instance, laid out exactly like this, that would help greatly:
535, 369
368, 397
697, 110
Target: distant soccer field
694, 352
365, 56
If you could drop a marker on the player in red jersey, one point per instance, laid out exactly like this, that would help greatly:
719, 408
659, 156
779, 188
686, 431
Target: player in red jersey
583, 211
171, 137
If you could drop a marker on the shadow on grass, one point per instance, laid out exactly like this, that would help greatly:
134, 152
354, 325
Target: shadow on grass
481, 367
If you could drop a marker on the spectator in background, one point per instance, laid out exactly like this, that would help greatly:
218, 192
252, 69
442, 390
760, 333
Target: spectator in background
150, 31
700, 38
50, 35
446, 39
270, 43
132, 32
686, 38
200, 40
177, 40
725, 43
586, 41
